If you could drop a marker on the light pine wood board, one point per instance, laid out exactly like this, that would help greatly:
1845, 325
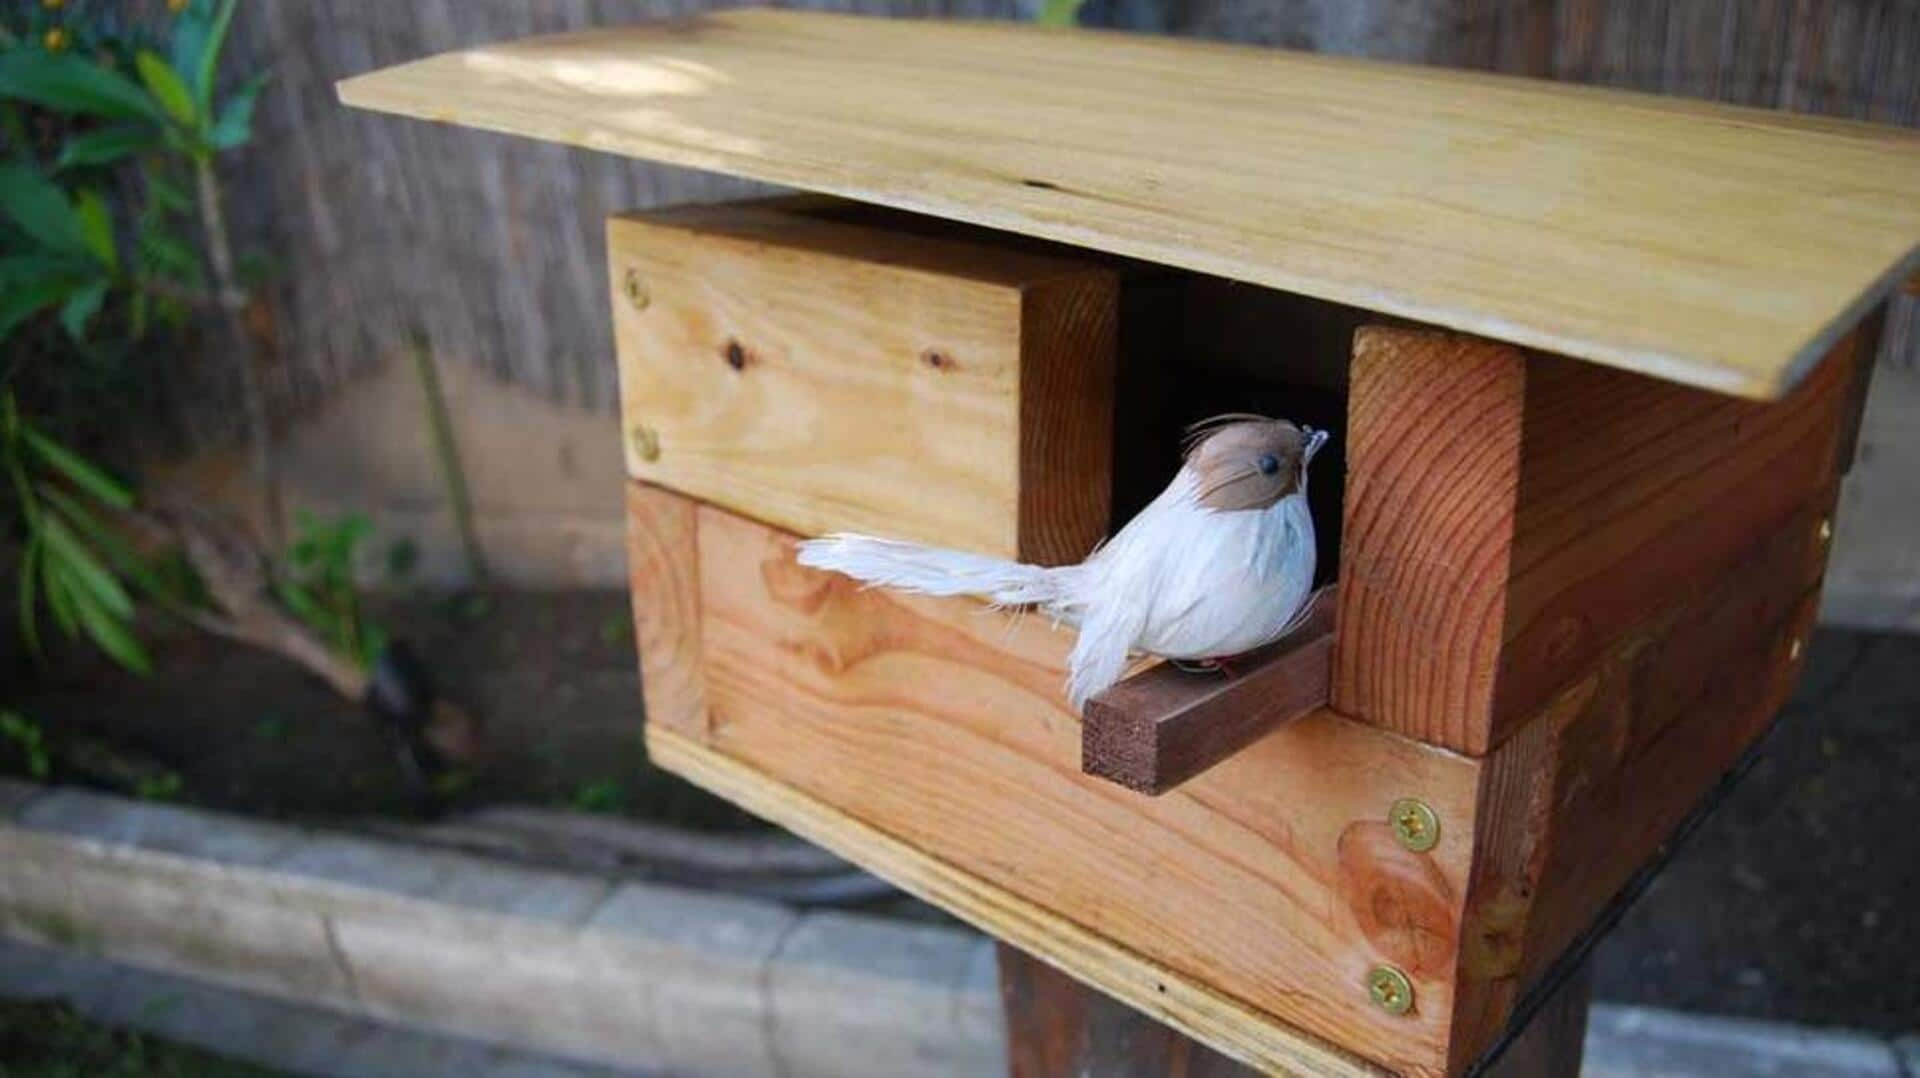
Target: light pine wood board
825, 376
1718, 246
1246, 904
1509, 517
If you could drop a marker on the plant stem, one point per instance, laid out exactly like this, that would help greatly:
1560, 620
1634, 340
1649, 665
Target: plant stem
451, 471
233, 307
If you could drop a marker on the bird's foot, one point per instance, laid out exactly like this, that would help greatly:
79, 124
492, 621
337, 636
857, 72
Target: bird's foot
1208, 666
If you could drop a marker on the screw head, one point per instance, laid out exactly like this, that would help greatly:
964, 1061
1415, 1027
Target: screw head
646, 442
635, 288
1793, 650
1390, 989
1826, 530
1414, 824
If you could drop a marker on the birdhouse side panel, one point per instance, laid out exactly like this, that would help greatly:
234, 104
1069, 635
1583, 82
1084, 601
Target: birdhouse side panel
1510, 517
1588, 793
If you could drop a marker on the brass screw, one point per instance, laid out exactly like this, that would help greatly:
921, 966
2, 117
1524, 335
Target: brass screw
1414, 824
1826, 531
1390, 989
635, 287
646, 442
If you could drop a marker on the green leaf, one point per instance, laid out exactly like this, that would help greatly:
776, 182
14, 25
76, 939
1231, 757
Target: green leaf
70, 556
41, 210
112, 636
109, 542
96, 227
77, 470
68, 83
235, 125
1059, 12
29, 589
191, 26
19, 302
166, 194
59, 599
105, 145
209, 60
167, 88
77, 313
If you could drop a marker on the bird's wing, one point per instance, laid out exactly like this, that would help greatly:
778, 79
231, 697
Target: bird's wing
1107, 634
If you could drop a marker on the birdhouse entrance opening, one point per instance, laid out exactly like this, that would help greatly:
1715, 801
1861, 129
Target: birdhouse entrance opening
1189, 346
1193, 346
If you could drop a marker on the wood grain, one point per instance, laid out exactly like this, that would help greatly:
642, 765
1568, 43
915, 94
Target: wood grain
1497, 206
1154, 989
1509, 517
663, 568
1582, 796
826, 376
1554, 1041
1164, 725
943, 724
1057, 1026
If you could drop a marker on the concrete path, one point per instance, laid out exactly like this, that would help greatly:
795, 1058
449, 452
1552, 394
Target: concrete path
330, 954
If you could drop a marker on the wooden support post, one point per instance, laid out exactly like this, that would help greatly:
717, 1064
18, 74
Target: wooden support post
1057, 1026
1550, 1044
1165, 725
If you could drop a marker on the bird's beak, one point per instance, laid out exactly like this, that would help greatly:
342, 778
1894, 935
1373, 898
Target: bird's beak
1315, 439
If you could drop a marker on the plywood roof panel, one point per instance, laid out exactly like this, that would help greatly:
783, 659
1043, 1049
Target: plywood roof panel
1717, 246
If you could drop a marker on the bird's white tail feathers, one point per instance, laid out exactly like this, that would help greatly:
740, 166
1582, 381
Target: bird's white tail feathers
933, 571
1100, 654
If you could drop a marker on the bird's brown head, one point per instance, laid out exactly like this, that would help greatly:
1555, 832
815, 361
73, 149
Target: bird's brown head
1249, 461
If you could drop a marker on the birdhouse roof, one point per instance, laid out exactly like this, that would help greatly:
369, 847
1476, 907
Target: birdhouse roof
1717, 246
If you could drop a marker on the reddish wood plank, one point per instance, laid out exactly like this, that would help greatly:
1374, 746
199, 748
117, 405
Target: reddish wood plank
1507, 525
1581, 797
663, 568
1165, 725
1269, 884
1433, 473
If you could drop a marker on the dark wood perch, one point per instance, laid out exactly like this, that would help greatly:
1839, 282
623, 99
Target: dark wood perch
1165, 725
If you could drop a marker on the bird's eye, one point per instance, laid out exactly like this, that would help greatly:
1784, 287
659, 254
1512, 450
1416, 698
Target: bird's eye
1268, 464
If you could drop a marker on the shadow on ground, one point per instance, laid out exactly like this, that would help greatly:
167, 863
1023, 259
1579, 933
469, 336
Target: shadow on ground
1794, 900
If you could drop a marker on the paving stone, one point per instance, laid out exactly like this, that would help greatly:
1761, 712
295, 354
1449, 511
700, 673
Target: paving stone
521, 982
371, 864
723, 926
980, 1017
713, 951
534, 894
859, 996
272, 1032
36, 973
236, 924
1907, 1048
172, 829
15, 793
1639, 1042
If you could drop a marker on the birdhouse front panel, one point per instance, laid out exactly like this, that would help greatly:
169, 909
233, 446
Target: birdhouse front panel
1570, 382
931, 741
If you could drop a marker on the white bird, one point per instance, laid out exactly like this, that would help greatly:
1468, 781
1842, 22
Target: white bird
1219, 564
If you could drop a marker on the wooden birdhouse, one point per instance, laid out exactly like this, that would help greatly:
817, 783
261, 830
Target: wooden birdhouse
1592, 363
